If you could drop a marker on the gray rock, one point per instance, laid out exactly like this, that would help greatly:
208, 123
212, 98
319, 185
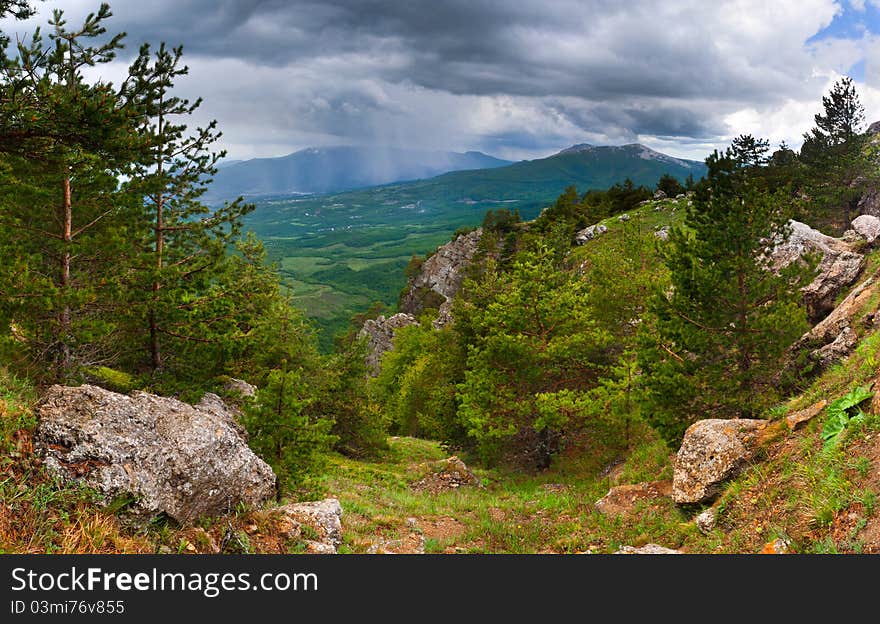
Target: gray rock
836, 350
660, 194
623, 218
712, 451
647, 549
182, 460
662, 234
867, 226
240, 387
445, 474
442, 274
832, 338
589, 233
874, 128
705, 521
839, 265
323, 517
869, 203
380, 337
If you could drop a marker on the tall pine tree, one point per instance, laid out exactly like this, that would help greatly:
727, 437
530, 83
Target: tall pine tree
184, 241
727, 320
834, 150
67, 143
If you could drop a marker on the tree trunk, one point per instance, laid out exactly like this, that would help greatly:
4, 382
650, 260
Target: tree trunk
64, 320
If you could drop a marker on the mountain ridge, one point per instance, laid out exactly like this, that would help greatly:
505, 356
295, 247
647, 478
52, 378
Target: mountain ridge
320, 170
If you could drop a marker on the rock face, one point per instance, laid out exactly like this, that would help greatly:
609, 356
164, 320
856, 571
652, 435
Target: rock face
380, 337
833, 338
183, 460
442, 274
838, 266
589, 233
867, 226
323, 517
869, 203
711, 452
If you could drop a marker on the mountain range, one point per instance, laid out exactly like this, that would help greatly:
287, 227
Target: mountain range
333, 169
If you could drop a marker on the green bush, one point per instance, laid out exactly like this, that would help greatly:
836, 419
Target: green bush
282, 431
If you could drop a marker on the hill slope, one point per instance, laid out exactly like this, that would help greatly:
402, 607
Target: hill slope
334, 169
341, 252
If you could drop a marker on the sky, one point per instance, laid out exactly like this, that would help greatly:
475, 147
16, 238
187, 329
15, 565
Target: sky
518, 79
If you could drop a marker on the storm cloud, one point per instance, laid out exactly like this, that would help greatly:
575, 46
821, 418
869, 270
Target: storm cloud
517, 78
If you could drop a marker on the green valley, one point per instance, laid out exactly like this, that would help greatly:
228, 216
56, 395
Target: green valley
341, 253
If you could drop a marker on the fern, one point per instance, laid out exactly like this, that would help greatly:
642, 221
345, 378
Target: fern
839, 415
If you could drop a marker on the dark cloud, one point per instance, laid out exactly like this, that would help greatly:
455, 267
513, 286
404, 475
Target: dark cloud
358, 69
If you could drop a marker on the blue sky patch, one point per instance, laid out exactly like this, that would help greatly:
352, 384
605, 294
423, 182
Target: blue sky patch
850, 24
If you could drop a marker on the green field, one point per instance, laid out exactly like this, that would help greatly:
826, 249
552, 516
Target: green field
340, 258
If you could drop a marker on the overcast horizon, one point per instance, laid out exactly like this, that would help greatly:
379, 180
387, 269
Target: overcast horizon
517, 80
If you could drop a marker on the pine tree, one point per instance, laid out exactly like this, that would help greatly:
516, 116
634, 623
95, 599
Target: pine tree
533, 351
840, 169
749, 151
66, 143
727, 320
185, 241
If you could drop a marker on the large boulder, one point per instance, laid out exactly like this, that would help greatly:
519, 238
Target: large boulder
867, 226
380, 337
712, 451
440, 278
839, 265
186, 461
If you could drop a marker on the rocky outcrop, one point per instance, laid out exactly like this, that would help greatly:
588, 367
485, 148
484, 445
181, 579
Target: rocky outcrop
659, 194
712, 451
440, 278
589, 233
324, 518
839, 265
833, 338
186, 461
868, 227
623, 500
380, 333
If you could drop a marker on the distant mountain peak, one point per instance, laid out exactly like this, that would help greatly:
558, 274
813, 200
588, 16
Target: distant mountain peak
574, 149
637, 149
